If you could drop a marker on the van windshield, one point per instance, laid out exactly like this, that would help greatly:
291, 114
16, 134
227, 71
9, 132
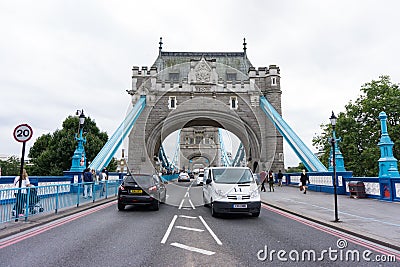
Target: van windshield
232, 176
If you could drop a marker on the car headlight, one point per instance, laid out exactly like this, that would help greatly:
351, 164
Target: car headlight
220, 193
254, 193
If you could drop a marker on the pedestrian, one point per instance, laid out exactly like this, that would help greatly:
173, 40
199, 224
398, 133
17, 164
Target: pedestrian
87, 183
21, 196
304, 180
271, 181
106, 171
280, 176
94, 175
263, 178
103, 178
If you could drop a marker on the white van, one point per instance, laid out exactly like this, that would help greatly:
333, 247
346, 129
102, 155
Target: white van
231, 190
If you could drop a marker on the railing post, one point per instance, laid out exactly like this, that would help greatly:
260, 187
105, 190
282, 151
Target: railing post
27, 203
57, 192
94, 191
79, 193
106, 181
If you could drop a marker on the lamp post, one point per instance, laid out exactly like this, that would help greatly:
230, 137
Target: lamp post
79, 157
333, 119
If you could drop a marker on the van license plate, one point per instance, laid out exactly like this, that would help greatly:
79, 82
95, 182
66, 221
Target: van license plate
239, 206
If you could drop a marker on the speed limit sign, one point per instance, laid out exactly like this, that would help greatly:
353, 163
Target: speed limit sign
23, 133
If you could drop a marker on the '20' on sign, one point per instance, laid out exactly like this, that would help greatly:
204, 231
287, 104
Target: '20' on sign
23, 133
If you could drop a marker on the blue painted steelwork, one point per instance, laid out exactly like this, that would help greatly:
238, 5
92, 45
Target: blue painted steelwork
225, 160
240, 155
164, 160
387, 162
310, 161
338, 156
79, 157
169, 177
388, 169
110, 148
176, 154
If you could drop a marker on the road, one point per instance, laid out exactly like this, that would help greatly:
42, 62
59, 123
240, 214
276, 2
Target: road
183, 233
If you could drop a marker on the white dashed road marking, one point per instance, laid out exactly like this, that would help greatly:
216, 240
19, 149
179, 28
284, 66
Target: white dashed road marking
199, 250
189, 229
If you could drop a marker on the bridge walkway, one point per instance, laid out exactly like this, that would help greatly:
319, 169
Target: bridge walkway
372, 219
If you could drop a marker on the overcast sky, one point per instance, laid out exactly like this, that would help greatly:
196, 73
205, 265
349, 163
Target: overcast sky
60, 56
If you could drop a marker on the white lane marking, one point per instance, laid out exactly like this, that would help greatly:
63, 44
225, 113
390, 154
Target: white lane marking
180, 206
186, 208
169, 230
198, 250
188, 217
191, 203
211, 231
189, 228
187, 194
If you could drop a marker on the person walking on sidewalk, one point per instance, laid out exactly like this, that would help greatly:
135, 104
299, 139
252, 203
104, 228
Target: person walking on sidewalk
304, 181
87, 183
263, 178
103, 178
271, 181
21, 195
280, 176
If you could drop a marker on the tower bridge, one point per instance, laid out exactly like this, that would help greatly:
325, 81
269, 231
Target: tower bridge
206, 89
201, 93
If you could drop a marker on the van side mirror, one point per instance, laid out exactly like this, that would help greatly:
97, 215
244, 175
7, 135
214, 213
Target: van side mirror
208, 181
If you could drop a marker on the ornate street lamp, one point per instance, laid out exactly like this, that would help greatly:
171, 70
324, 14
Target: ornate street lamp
79, 157
333, 119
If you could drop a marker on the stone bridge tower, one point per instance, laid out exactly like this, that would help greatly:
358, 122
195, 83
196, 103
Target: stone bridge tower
199, 145
210, 89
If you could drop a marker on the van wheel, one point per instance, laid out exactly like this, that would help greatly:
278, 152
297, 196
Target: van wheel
213, 213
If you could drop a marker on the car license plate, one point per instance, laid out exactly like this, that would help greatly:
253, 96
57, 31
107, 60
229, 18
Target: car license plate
239, 206
136, 191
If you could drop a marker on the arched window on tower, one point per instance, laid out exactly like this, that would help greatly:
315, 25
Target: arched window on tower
172, 102
273, 81
233, 102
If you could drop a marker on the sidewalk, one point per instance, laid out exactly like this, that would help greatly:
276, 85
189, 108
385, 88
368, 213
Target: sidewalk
11, 228
373, 219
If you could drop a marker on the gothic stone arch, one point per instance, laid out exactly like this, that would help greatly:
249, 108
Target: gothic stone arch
205, 89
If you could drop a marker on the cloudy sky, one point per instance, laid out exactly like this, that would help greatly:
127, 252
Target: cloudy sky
60, 56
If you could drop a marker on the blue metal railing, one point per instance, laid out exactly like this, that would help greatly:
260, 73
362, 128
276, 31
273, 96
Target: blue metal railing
22, 203
226, 161
105, 155
174, 162
310, 161
240, 153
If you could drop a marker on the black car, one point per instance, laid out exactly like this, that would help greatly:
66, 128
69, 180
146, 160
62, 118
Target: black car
141, 190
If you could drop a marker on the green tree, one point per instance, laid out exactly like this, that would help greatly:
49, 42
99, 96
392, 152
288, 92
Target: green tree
359, 127
299, 168
10, 167
51, 154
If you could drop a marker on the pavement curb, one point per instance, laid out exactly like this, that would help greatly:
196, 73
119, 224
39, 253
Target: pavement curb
334, 225
12, 228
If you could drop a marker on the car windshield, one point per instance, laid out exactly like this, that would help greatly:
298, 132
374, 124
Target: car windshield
232, 176
141, 180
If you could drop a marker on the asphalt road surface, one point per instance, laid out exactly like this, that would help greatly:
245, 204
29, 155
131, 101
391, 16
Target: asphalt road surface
183, 233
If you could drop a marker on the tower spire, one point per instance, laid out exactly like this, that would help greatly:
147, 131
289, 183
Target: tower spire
160, 47
244, 45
